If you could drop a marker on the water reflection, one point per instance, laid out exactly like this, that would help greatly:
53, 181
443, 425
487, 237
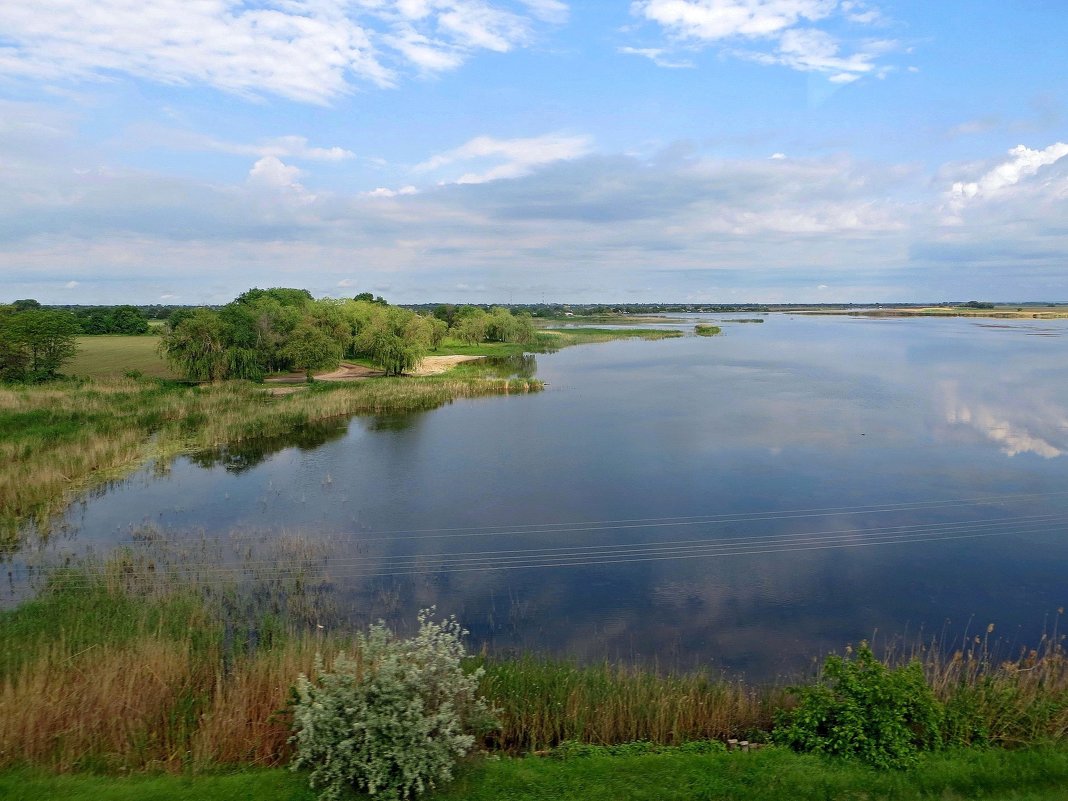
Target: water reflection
247, 454
1024, 424
628, 509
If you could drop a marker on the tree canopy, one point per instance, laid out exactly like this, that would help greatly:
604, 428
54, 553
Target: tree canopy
35, 342
267, 331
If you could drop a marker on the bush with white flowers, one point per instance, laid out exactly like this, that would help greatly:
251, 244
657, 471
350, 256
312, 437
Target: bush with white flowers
393, 718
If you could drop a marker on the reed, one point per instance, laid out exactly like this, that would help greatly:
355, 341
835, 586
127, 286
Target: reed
543, 703
129, 666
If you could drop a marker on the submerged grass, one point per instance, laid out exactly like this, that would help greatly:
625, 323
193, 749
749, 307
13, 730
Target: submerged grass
56, 440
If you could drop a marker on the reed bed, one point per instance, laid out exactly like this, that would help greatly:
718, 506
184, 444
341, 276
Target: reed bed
57, 441
127, 668
543, 703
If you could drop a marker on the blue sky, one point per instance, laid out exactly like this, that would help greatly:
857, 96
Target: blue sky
471, 150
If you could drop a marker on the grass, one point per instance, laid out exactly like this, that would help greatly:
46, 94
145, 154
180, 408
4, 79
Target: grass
60, 439
138, 665
768, 775
707, 330
104, 356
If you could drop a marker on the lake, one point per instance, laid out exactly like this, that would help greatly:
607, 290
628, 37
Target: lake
746, 502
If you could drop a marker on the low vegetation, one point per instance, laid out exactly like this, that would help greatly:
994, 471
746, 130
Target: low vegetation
127, 668
707, 330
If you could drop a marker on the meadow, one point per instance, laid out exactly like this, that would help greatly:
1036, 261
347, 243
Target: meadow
105, 356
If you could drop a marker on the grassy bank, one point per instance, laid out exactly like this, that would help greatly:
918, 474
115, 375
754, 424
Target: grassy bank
57, 440
125, 668
771, 775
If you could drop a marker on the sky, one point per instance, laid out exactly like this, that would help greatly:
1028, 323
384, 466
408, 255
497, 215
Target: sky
702, 151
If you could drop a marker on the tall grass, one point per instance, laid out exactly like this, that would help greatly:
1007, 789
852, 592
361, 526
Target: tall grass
543, 703
127, 667
58, 440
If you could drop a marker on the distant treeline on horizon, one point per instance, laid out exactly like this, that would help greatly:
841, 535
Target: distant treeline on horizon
96, 318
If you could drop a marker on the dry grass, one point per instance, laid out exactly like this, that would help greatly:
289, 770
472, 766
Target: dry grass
119, 669
112, 706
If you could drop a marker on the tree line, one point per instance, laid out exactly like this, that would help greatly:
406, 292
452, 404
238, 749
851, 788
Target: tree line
265, 331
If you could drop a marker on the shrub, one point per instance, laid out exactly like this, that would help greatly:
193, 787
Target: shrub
393, 718
863, 710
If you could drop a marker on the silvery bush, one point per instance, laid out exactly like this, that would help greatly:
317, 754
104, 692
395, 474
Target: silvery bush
393, 718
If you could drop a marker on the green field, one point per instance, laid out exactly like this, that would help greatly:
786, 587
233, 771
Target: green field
103, 356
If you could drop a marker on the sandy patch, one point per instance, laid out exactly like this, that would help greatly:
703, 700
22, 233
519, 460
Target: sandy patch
436, 365
348, 372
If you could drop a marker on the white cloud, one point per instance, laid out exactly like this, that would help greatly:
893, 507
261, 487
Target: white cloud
386, 192
345, 283
271, 173
1024, 162
71, 285
305, 50
657, 56
515, 157
781, 32
711, 20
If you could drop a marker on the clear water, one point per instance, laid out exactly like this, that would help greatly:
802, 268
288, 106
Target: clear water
748, 501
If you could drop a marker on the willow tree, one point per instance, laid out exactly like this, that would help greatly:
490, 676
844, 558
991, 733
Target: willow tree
197, 347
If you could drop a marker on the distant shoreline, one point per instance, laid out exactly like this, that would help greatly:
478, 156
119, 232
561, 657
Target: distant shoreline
998, 312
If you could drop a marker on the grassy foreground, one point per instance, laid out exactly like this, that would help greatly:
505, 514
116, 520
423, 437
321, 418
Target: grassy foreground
770, 775
124, 668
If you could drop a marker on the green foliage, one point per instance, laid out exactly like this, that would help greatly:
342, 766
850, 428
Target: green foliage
35, 343
706, 330
197, 347
574, 749
863, 710
393, 719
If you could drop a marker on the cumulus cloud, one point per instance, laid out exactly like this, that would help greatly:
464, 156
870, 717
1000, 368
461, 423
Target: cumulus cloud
305, 50
785, 32
514, 157
680, 221
1024, 162
272, 174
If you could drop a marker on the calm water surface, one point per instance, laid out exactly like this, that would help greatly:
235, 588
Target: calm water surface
748, 501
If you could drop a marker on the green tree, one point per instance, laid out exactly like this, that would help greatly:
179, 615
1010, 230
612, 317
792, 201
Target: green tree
36, 342
127, 320
310, 348
197, 347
